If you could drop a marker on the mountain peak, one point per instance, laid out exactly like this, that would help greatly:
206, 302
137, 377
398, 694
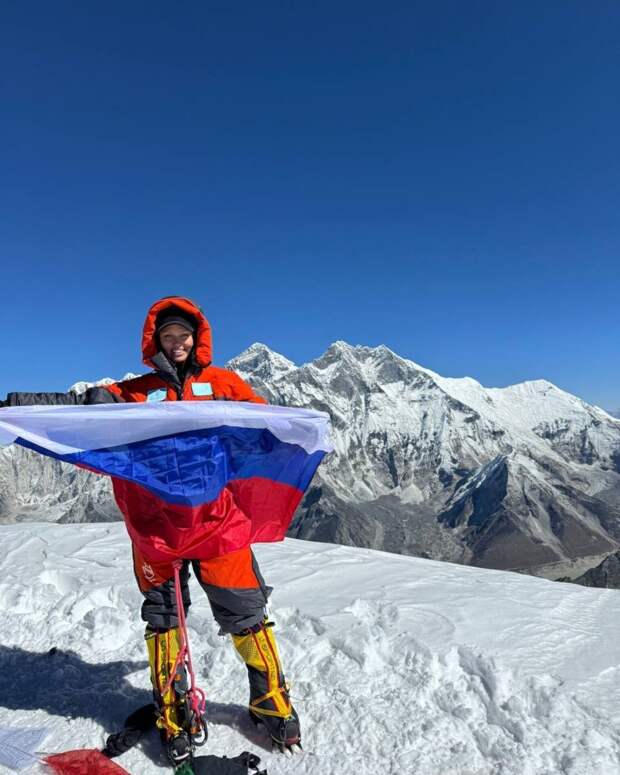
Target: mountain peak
340, 346
258, 347
359, 351
261, 361
538, 384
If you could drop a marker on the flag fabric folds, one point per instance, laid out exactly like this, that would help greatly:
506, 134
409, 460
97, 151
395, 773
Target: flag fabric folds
18, 746
193, 479
83, 762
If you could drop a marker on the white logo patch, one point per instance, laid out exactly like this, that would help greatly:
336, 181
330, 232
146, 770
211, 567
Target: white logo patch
149, 573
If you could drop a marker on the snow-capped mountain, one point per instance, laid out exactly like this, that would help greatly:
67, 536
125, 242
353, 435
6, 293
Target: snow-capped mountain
397, 665
525, 477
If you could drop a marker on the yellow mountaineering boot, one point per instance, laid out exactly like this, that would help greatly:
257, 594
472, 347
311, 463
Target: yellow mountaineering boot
269, 699
172, 719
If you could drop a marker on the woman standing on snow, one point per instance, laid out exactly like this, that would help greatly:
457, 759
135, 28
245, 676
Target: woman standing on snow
176, 343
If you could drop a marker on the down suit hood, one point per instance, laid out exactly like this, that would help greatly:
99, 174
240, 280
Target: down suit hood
203, 349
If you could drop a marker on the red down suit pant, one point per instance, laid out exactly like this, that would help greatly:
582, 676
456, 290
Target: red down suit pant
233, 583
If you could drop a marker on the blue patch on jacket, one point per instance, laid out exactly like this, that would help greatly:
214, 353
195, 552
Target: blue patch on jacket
159, 394
202, 389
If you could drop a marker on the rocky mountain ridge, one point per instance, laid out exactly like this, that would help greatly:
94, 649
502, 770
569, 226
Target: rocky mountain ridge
525, 477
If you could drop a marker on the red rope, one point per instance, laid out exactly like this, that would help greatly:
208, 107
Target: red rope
196, 695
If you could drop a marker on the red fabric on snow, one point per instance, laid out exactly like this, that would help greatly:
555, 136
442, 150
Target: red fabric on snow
83, 762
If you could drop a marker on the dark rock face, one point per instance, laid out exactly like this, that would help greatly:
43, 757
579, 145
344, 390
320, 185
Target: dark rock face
574, 445
325, 517
607, 574
381, 524
481, 497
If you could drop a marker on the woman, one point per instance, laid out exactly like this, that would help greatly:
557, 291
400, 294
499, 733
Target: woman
176, 343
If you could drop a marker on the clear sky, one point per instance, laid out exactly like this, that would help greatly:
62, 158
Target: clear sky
442, 177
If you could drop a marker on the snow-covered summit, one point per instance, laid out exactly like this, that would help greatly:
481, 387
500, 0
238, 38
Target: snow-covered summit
397, 664
260, 360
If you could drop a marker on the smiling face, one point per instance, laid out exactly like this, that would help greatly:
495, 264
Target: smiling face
176, 342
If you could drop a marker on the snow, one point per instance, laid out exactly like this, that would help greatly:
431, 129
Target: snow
398, 665
82, 386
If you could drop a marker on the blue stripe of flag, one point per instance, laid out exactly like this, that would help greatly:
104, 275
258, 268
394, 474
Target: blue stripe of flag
192, 468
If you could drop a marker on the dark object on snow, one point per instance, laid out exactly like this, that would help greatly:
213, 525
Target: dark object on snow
145, 718
244, 764
139, 722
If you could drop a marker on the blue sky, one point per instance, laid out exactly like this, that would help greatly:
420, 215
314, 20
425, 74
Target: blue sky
441, 177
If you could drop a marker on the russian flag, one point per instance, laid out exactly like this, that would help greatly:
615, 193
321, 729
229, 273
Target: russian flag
193, 479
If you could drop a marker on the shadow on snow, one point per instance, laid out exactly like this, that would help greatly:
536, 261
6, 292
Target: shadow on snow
62, 684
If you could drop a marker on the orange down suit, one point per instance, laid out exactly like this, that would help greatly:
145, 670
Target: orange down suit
232, 580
